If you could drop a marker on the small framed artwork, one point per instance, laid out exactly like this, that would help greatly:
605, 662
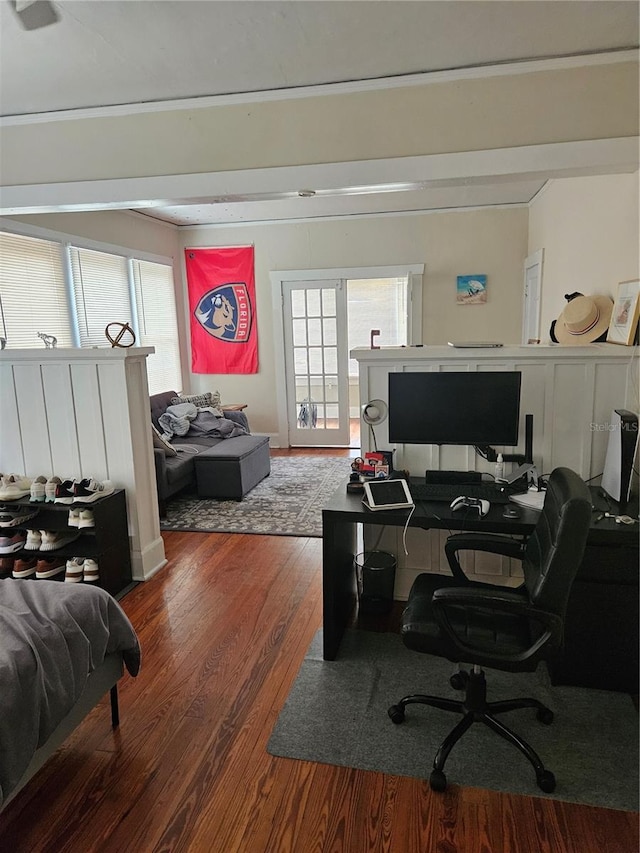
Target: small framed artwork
624, 317
471, 289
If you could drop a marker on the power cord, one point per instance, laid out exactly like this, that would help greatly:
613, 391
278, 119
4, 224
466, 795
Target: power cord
404, 532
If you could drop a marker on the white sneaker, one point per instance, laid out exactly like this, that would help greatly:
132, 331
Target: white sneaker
88, 491
74, 518
74, 570
85, 518
13, 487
34, 537
52, 539
91, 572
50, 488
37, 489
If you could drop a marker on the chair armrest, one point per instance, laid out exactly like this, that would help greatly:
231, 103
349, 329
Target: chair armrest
237, 417
509, 602
491, 542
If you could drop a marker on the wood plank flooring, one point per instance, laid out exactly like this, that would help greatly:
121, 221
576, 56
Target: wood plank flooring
224, 627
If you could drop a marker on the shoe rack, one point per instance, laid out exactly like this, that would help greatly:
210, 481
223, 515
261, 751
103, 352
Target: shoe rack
107, 542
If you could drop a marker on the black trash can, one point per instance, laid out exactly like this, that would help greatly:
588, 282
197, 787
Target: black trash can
376, 575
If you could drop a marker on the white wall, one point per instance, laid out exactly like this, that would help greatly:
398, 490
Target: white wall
588, 228
492, 241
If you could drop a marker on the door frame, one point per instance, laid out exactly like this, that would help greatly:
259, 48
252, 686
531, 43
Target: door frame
413, 271
535, 259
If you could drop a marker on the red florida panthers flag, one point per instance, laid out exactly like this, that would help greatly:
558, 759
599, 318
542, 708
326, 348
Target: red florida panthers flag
222, 293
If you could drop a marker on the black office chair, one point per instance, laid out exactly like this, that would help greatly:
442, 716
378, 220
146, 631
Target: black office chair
495, 626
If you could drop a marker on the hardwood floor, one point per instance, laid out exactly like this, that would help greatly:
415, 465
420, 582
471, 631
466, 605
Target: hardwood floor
224, 627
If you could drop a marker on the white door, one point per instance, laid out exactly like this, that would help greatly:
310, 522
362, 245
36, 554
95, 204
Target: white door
316, 362
532, 297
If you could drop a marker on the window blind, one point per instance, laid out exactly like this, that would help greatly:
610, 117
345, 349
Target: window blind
384, 299
33, 295
101, 289
157, 323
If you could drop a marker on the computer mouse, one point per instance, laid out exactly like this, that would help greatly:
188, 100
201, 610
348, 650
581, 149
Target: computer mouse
511, 512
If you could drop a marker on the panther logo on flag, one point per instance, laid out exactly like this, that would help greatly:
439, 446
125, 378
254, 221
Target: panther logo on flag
225, 312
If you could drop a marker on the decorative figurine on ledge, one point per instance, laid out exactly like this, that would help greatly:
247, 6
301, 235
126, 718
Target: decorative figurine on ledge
117, 340
50, 342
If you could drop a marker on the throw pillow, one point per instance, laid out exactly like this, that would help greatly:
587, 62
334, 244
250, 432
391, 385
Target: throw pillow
202, 401
161, 442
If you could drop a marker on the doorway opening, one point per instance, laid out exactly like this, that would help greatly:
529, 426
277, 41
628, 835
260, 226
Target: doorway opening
319, 316
380, 304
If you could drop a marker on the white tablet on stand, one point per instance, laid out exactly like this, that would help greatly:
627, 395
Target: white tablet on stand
387, 494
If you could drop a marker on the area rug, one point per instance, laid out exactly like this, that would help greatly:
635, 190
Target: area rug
286, 503
336, 713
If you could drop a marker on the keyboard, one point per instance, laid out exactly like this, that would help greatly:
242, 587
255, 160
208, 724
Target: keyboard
446, 492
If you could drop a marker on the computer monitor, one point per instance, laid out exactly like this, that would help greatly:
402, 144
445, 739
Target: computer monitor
480, 408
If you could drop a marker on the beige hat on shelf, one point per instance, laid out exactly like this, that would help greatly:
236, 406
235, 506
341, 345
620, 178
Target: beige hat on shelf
583, 320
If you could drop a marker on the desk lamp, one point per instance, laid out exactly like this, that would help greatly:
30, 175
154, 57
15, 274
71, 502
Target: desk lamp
374, 413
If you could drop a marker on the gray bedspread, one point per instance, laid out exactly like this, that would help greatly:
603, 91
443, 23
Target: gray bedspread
52, 636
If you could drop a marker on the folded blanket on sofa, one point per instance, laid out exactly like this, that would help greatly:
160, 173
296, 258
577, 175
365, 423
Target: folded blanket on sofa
185, 419
206, 423
177, 419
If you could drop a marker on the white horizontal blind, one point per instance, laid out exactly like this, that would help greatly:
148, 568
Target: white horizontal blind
101, 288
379, 303
158, 324
33, 295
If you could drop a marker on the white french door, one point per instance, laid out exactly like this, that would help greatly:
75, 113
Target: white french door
316, 362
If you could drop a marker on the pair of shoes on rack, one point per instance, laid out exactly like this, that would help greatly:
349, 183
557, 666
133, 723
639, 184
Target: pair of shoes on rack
37, 491
81, 569
13, 516
81, 518
9, 544
48, 540
44, 569
82, 491
13, 487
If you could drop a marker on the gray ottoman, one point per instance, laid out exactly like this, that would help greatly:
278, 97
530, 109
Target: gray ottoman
233, 467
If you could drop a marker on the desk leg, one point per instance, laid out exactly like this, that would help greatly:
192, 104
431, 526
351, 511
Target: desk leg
338, 581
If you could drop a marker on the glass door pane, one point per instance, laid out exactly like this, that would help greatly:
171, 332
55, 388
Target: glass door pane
316, 361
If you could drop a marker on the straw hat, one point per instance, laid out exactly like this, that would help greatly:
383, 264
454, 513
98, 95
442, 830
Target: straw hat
583, 320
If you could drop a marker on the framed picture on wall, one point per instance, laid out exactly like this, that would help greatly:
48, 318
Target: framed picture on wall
471, 289
624, 317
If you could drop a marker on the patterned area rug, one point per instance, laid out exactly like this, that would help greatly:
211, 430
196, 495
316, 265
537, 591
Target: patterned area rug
287, 503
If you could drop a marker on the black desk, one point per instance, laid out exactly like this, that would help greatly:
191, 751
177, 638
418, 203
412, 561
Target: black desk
601, 648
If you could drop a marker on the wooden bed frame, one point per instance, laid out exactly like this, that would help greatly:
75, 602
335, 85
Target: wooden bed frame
104, 678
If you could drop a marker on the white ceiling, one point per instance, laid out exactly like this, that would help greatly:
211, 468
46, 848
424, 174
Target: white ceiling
107, 53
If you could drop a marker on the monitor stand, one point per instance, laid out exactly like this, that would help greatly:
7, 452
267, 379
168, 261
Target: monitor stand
528, 470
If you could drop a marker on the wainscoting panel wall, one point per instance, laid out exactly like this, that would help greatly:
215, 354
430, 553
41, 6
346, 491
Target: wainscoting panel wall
85, 413
571, 393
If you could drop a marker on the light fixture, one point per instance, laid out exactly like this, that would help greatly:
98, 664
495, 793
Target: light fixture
34, 14
374, 413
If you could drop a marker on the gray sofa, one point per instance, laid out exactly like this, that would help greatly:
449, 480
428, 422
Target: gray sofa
217, 468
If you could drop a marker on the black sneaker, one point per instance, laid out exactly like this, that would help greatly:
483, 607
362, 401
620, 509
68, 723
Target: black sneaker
12, 517
88, 491
64, 492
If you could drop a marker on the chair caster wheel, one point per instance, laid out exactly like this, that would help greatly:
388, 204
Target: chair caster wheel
396, 714
547, 782
437, 780
459, 680
544, 715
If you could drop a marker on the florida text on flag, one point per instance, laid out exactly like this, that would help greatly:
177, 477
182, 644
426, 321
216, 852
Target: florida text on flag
224, 337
